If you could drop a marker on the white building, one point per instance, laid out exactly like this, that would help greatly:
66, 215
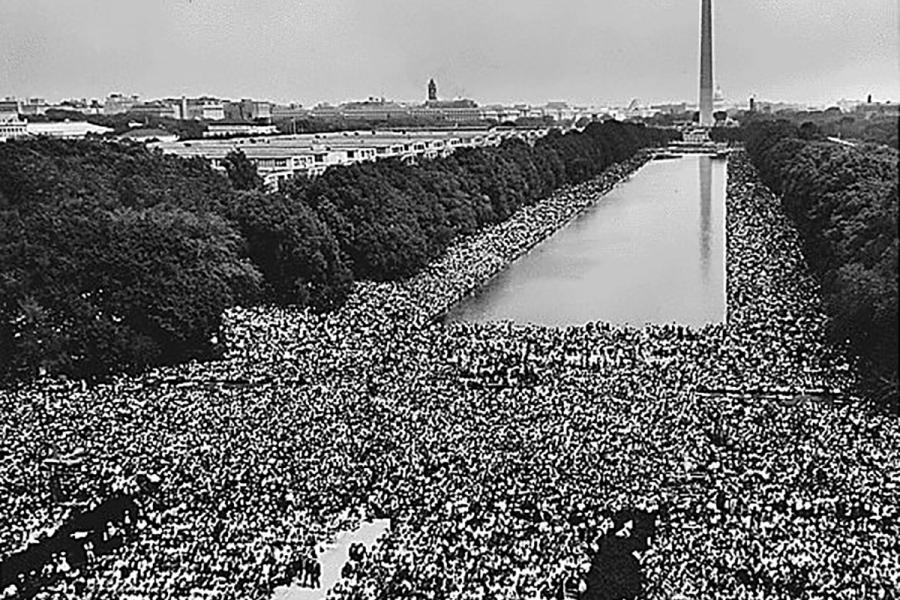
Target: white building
282, 157
66, 129
201, 109
11, 127
560, 111
233, 130
144, 135
696, 136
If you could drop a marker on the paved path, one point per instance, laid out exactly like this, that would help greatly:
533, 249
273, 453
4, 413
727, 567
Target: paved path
333, 558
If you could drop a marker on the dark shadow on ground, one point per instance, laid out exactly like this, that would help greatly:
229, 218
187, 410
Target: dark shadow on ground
615, 572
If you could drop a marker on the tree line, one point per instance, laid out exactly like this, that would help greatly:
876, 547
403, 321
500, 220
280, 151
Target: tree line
843, 201
858, 127
114, 257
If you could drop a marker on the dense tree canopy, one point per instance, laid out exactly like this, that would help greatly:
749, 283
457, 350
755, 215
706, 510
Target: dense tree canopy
294, 250
112, 257
104, 174
860, 126
86, 290
844, 203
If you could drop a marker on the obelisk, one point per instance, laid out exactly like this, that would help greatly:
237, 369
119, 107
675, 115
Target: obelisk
706, 65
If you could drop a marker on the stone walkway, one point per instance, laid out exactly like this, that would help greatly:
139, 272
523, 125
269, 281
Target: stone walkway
332, 560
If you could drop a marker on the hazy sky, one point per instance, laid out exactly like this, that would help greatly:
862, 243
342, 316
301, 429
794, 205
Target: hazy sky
583, 51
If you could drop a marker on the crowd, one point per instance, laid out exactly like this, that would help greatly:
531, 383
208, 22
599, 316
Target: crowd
504, 455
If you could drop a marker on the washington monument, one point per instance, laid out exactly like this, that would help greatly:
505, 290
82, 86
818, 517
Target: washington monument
706, 65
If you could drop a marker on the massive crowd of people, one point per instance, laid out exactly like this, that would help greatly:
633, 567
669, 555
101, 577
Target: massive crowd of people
503, 454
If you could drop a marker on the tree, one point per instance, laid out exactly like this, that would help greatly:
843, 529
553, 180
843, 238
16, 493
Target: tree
241, 171
112, 257
297, 254
87, 292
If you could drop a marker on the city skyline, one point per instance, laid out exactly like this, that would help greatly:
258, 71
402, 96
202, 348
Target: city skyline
313, 51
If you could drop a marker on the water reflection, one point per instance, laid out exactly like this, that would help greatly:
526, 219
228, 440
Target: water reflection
705, 213
642, 254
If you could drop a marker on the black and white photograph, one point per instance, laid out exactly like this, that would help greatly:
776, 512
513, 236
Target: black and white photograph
449, 300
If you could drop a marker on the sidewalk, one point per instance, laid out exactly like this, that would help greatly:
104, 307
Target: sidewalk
332, 560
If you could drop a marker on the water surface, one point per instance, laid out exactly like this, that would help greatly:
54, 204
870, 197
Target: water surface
650, 251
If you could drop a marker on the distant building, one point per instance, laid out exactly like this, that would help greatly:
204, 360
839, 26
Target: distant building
719, 100
289, 111
433, 112
144, 135
492, 113
776, 107
282, 157
432, 91
248, 110
73, 104
11, 105
238, 129
206, 110
212, 111
458, 103
637, 110
678, 108
696, 137
373, 109
33, 107
11, 127
82, 105
873, 109
117, 104
449, 114
559, 111
458, 111
503, 114
201, 109
379, 109
155, 108
67, 129
323, 110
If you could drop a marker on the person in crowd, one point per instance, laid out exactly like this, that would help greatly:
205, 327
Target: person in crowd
315, 573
